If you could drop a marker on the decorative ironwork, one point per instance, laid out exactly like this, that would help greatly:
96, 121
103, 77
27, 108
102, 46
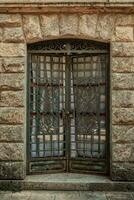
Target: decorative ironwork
68, 106
68, 46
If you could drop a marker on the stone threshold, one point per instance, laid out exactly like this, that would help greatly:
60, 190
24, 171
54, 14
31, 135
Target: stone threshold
67, 182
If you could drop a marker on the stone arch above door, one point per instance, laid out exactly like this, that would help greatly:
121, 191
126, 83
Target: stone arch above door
94, 26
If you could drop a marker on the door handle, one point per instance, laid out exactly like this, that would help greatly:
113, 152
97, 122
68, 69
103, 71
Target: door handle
68, 113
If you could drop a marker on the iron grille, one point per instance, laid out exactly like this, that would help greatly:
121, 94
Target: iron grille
68, 106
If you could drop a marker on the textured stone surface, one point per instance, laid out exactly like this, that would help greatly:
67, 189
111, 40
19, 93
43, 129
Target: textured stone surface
62, 195
11, 98
124, 34
49, 1
66, 178
13, 64
125, 20
50, 25
12, 49
123, 152
123, 134
31, 27
105, 26
1, 65
10, 20
9, 133
69, 24
122, 64
13, 34
87, 25
56, 195
121, 1
123, 98
11, 81
74, 182
122, 80
12, 170
66, 195
65, 182
11, 151
123, 116
75, 195
1, 34
123, 49
11, 115
123, 171
119, 196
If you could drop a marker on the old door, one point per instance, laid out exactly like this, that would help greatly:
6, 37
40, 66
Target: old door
68, 106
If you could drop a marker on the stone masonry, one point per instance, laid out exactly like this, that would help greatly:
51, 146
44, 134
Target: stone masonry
66, 195
16, 31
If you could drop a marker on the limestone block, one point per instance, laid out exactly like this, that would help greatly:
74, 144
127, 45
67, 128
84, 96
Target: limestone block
10, 20
105, 26
11, 151
122, 171
50, 25
123, 116
123, 133
11, 115
14, 34
122, 49
1, 34
121, 1
11, 133
14, 81
123, 98
1, 65
69, 24
31, 27
118, 195
122, 64
50, 1
87, 25
13, 64
11, 98
123, 80
124, 19
124, 34
123, 152
12, 170
12, 49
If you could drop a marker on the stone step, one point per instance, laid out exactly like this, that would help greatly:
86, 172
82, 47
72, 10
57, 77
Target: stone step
66, 195
66, 182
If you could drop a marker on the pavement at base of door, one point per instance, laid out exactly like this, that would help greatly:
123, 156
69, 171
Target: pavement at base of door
65, 195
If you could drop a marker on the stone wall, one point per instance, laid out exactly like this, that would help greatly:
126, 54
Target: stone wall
16, 30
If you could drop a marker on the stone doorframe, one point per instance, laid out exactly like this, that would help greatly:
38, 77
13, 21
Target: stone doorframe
16, 31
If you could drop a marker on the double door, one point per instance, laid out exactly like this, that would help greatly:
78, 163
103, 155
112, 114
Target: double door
68, 113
